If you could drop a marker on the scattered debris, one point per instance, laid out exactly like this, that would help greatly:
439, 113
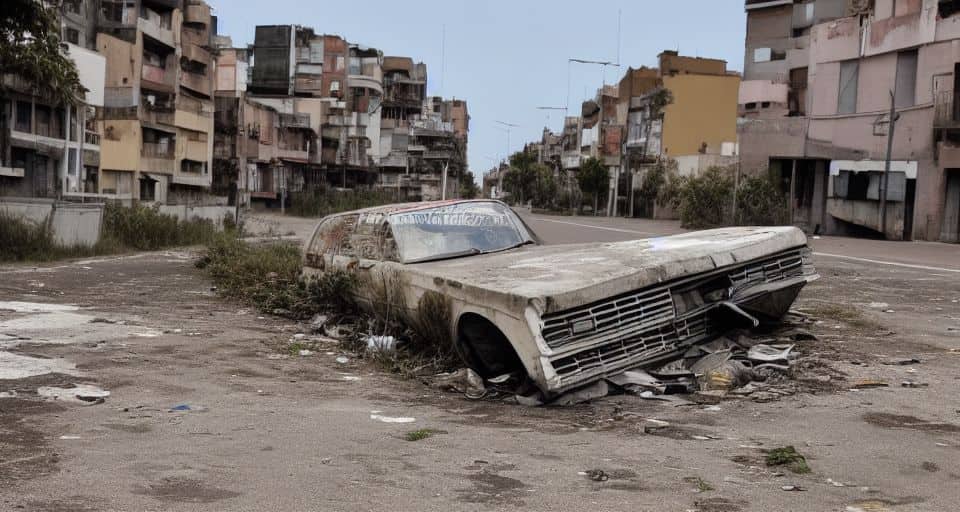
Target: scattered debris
789, 457
70, 438
464, 381
912, 384
181, 408
376, 415
318, 322
903, 362
769, 354
869, 383
83, 393
381, 343
343, 360
597, 475
792, 488
594, 391
305, 352
8, 394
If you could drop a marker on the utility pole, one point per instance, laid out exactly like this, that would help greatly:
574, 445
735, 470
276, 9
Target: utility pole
611, 201
886, 168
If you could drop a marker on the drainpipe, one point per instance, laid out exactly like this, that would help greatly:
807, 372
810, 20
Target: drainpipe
886, 166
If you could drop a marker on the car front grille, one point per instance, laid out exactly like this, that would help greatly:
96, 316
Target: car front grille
648, 324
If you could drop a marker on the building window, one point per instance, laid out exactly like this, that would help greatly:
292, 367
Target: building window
849, 76
24, 117
72, 6
73, 36
906, 88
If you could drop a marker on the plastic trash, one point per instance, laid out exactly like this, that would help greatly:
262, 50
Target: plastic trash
464, 381
79, 393
381, 343
181, 408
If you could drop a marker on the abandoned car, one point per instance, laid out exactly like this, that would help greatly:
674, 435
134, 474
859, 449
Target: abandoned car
567, 315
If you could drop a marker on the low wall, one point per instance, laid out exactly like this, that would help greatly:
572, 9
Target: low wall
215, 214
72, 223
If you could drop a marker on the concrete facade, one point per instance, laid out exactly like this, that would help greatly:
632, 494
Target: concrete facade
841, 68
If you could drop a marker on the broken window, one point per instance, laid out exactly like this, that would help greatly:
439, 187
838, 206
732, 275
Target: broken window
849, 76
797, 97
865, 186
906, 87
750, 106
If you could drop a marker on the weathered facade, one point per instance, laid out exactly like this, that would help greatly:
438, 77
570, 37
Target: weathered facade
47, 149
157, 122
819, 81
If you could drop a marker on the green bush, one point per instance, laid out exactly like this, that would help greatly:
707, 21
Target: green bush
22, 240
146, 229
321, 202
761, 203
706, 201
269, 277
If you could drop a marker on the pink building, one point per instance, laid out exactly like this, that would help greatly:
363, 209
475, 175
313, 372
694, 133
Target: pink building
819, 80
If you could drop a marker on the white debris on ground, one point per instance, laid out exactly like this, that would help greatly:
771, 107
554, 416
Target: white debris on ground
83, 393
378, 416
16, 366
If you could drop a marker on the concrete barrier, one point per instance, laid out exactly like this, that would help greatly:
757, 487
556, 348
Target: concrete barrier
72, 223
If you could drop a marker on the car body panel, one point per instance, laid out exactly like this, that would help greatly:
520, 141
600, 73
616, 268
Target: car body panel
620, 295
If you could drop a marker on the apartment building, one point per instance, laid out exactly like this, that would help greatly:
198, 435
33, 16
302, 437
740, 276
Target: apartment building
47, 149
157, 121
820, 80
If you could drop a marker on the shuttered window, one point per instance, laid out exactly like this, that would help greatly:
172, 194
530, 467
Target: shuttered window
906, 90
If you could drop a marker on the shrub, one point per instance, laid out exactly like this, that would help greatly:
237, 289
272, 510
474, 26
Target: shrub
22, 239
705, 201
145, 228
761, 203
321, 202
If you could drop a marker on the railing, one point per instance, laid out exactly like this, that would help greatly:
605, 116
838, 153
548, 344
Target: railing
155, 150
154, 74
295, 121
945, 114
119, 113
91, 138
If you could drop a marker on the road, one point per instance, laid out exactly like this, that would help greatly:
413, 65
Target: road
267, 431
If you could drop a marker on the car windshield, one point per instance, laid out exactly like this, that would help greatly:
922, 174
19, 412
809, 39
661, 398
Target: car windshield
457, 230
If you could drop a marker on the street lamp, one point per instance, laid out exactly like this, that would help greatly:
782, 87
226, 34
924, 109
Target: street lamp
612, 200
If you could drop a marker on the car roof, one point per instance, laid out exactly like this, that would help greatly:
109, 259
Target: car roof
389, 209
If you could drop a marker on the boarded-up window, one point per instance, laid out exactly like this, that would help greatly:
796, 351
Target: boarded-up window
849, 74
897, 186
906, 90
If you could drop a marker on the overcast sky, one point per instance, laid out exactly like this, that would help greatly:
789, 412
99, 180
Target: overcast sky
507, 57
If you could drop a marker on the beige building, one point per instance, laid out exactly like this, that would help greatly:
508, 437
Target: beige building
157, 122
819, 81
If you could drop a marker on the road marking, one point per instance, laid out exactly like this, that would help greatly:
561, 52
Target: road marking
829, 255
597, 227
891, 263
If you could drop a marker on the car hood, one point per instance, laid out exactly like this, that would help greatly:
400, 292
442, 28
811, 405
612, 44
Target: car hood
566, 276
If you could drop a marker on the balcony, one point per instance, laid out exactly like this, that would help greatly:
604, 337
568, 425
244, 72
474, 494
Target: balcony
946, 115
157, 150
295, 121
120, 113
157, 78
91, 138
437, 155
157, 28
197, 12
200, 84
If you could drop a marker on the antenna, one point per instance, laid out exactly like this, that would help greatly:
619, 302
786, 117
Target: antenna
443, 56
619, 14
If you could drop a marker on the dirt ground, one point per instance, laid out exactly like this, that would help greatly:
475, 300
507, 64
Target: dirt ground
260, 428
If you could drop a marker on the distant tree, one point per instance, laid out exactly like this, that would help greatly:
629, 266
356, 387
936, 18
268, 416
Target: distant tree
520, 179
593, 178
468, 186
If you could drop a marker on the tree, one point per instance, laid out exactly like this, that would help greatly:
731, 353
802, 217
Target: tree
593, 179
520, 179
468, 186
30, 50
